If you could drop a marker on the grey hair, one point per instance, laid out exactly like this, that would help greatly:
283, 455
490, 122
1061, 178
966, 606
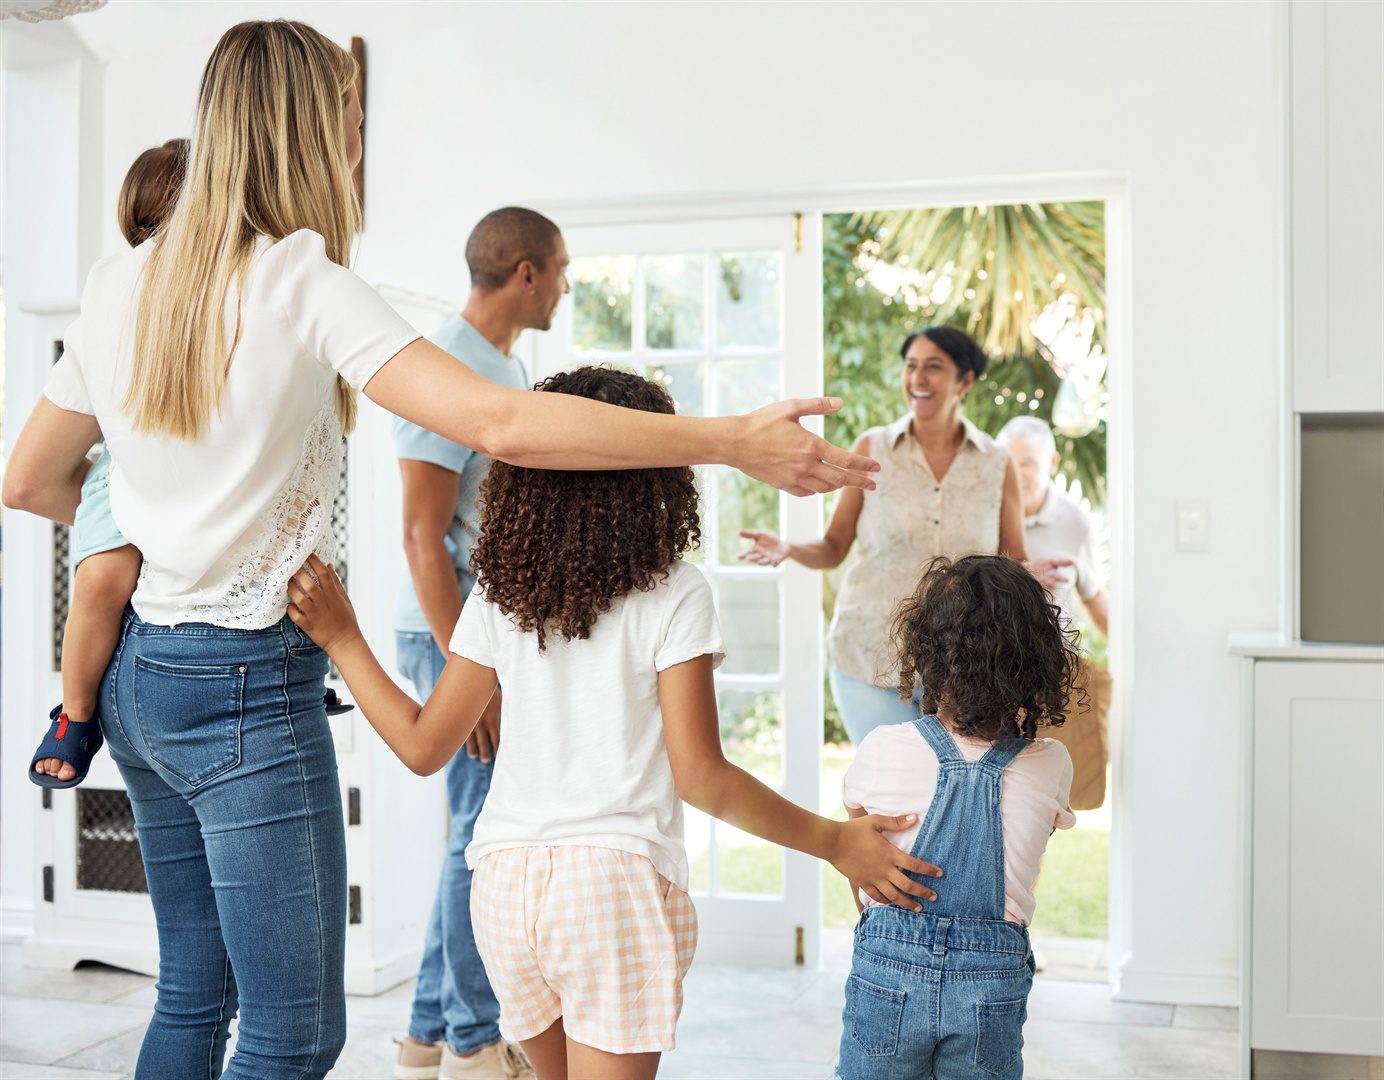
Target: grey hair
1029, 429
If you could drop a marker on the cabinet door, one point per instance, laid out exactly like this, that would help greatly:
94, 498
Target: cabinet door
1337, 156
1317, 909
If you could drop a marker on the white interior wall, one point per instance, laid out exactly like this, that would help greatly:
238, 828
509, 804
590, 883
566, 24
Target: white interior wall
51, 104
474, 106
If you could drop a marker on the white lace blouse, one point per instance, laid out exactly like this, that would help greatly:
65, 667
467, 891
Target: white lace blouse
224, 521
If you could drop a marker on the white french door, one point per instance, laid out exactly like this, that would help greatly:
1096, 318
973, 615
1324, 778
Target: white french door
726, 314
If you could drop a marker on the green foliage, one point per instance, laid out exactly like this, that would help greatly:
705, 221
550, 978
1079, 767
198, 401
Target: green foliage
864, 330
753, 725
602, 293
1072, 890
833, 727
990, 270
742, 503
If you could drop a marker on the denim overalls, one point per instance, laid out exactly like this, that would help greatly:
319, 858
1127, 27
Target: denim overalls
943, 993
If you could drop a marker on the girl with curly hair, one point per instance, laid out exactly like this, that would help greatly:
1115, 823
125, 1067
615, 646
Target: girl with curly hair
604, 640
943, 993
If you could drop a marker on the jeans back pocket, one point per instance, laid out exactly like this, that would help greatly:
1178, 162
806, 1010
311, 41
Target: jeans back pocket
1000, 1034
190, 716
874, 1015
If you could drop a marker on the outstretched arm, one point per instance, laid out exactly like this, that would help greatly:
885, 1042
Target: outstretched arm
825, 553
423, 737
432, 388
704, 778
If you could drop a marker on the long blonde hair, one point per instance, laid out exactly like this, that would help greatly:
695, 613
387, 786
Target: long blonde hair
268, 158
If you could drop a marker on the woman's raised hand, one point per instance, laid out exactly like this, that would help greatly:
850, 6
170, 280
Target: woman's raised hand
774, 447
870, 861
765, 549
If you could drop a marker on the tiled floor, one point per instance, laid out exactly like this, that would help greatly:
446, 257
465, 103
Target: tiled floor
738, 1024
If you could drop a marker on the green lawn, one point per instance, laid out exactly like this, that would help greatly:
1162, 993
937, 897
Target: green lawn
1072, 890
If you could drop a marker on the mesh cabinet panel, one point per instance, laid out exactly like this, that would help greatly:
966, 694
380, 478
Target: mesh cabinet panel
341, 528
107, 848
62, 560
341, 520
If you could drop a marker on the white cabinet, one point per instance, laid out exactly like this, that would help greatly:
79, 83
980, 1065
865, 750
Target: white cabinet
91, 899
1316, 825
1337, 205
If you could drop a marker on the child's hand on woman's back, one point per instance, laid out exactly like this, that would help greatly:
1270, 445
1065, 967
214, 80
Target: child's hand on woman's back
872, 863
318, 604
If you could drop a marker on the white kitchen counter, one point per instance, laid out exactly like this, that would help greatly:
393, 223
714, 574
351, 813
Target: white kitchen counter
1270, 646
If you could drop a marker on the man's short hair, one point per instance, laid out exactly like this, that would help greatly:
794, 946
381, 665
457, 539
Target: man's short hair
1031, 430
503, 239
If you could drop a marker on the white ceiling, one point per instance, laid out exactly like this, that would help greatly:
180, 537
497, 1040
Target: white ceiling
126, 28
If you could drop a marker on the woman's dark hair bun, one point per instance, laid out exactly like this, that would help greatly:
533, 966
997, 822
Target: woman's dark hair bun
959, 345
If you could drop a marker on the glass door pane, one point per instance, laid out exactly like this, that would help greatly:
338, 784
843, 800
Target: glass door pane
703, 308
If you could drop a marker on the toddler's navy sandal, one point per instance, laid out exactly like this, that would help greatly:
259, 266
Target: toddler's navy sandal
334, 705
68, 740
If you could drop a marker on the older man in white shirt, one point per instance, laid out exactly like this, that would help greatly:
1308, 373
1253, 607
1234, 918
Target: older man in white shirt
1058, 528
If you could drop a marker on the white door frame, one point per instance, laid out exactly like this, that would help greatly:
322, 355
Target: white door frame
1114, 190
735, 928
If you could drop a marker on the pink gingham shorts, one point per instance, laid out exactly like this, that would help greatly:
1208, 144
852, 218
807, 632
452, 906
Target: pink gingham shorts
595, 936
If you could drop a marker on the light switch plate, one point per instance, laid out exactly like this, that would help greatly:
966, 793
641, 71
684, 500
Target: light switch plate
1194, 526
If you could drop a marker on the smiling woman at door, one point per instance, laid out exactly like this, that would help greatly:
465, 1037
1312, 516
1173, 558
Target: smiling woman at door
944, 488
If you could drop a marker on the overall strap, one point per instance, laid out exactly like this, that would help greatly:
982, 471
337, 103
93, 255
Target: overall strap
963, 832
931, 729
1002, 754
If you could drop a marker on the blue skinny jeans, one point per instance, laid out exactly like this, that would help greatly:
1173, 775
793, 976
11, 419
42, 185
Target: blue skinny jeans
223, 743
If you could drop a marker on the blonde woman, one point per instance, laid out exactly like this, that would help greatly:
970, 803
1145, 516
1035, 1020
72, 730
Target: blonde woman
220, 362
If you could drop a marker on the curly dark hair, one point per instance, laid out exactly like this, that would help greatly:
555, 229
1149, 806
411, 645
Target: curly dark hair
556, 549
985, 642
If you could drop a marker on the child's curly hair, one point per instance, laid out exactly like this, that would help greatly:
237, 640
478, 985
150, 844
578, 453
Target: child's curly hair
556, 549
984, 640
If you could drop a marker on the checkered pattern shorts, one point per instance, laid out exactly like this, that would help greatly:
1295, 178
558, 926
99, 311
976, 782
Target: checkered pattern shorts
593, 935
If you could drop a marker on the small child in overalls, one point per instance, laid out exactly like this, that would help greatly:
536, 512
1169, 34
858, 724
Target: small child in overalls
942, 994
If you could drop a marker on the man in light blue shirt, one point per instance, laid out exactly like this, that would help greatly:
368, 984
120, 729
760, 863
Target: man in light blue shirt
518, 266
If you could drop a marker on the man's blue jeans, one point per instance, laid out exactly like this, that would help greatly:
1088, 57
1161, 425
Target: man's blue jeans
453, 999
222, 740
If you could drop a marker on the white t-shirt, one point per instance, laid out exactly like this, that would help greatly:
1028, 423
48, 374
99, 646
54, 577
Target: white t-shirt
582, 759
224, 521
1062, 529
895, 772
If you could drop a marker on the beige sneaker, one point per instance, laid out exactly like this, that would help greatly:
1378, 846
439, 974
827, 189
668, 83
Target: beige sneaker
498, 1061
417, 1061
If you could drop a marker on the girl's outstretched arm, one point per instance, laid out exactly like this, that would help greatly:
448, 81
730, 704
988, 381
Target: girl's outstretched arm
423, 737
687, 698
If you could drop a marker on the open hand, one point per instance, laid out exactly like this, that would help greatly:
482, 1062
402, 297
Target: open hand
871, 862
319, 606
765, 549
773, 447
